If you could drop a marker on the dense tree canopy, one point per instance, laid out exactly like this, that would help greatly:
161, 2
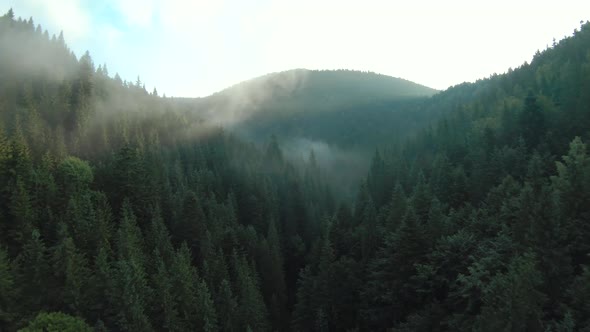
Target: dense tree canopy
122, 210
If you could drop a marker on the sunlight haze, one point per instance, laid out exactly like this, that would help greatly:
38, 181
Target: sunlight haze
195, 48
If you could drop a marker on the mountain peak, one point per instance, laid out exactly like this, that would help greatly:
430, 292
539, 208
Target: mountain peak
343, 82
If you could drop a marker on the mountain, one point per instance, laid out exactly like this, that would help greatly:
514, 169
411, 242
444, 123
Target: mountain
130, 211
480, 209
316, 105
300, 89
342, 116
126, 211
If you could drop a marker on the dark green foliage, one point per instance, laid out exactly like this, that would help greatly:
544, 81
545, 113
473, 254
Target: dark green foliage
56, 322
22, 214
74, 175
226, 306
491, 236
390, 290
135, 213
363, 108
303, 315
184, 289
532, 121
397, 208
511, 299
70, 267
132, 291
165, 306
251, 310
7, 291
33, 272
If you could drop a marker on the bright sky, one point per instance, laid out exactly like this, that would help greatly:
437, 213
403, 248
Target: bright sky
193, 48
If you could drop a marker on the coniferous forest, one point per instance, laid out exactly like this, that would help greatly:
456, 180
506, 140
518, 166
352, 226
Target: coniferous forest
123, 210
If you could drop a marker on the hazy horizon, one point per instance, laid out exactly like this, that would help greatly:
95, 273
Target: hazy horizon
196, 49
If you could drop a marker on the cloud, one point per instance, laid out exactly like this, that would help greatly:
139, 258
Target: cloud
111, 35
185, 17
170, 15
193, 48
136, 13
347, 166
69, 16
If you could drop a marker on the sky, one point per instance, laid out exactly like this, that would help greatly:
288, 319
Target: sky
194, 48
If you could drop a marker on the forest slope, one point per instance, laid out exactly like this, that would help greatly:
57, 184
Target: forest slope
126, 211
316, 105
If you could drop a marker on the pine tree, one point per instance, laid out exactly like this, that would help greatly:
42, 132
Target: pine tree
370, 239
346, 283
165, 307
103, 288
206, 309
390, 290
33, 270
441, 168
273, 279
458, 193
7, 292
10, 14
105, 229
184, 289
191, 227
512, 300
274, 155
128, 181
131, 286
324, 279
130, 242
74, 176
303, 313
572, 188
132, 296
421, 199
22, 213
377, 179
57, 322
532, 121
251, 309
226, 306
158, 238
71, 270
215, 269
397, 208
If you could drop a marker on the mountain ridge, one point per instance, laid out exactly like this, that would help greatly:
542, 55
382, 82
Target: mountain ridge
124, 211
305, 71
257, 107
322, 88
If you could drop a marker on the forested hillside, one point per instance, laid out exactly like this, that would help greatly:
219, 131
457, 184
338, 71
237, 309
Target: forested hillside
341, 115
479, 223
124, 211
348, 109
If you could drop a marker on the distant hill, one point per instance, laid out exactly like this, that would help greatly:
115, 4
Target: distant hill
341, 115
301, 88
130, 212
327, 105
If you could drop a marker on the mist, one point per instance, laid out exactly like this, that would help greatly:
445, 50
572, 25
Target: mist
37, 54
343, 168
238, 103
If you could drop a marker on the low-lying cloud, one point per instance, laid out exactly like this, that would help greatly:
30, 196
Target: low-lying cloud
343, 168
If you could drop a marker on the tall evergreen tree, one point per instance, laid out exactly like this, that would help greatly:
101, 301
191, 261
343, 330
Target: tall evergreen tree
532, 121
226, 306
7, 292
33, 269
251, 311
